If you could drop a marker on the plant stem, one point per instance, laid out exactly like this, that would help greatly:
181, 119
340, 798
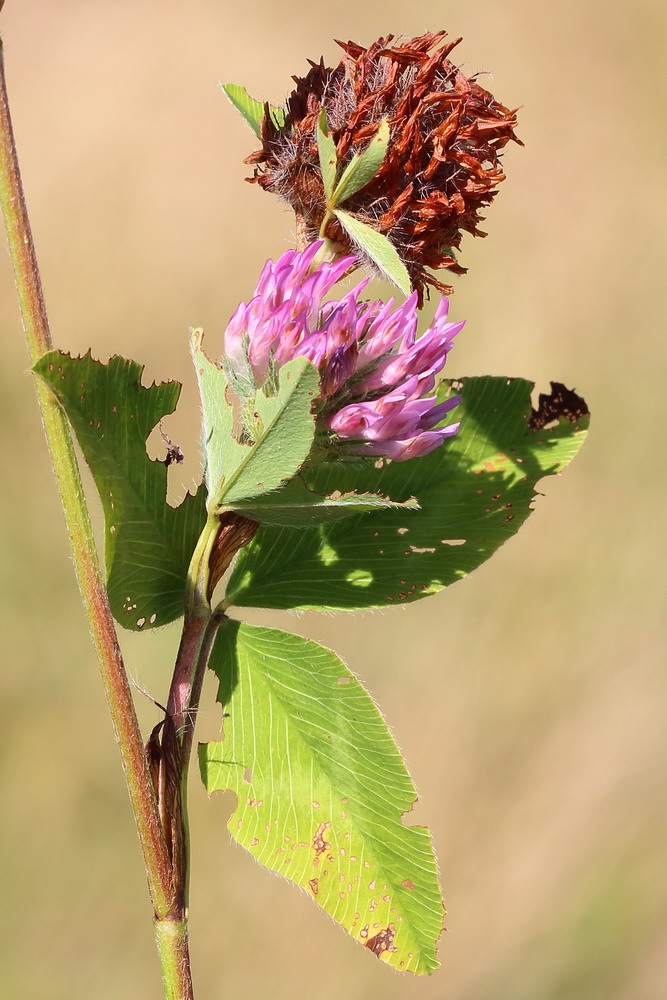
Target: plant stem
178, 705
205, 650
200, 626
89, 576
197, 616
224, 534
194, 652
172, 945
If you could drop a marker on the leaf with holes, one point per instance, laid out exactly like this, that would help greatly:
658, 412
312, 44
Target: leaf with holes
475, 492
253, 111
278, 430
148, 543
322, 790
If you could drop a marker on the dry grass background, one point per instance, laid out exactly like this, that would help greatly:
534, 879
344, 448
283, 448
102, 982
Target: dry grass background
530, 699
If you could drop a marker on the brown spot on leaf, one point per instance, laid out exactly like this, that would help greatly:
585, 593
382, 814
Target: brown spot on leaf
408, 883
320, 845
314, 884
382, 941
247, 775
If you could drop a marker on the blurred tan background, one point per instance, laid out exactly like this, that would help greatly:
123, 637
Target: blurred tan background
530, 699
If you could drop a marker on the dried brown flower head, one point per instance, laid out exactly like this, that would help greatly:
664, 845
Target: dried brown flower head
442, 165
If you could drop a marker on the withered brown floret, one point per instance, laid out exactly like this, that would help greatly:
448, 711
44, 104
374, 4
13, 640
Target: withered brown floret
442, 165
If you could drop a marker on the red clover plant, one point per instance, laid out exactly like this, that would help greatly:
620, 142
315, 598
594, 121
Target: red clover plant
341, 471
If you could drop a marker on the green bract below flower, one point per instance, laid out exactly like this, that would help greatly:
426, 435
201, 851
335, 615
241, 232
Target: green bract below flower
375, 376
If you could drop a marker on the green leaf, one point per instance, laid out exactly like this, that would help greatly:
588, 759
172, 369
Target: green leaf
322, 790
326, 149
276, 445
296, 505
363, 167
376, 246
148, 544
475, 492
253, 111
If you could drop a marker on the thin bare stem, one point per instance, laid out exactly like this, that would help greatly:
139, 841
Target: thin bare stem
205, 650
93, 591
195, 622
178, 705
223, 536
194, 652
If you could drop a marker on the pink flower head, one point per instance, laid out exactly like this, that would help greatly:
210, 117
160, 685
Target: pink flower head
375, 375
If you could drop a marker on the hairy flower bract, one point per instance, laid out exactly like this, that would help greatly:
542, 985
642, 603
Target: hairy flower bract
376, 376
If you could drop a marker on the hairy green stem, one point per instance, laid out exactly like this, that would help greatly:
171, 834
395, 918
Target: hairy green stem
172, 945
86, 563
